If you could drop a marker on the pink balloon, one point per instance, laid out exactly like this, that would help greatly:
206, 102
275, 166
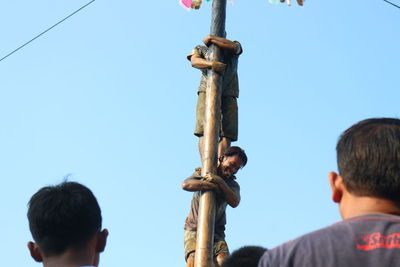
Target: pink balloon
186, 3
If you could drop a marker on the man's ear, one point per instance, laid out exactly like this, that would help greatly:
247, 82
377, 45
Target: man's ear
101, 240
35, 251
336, 183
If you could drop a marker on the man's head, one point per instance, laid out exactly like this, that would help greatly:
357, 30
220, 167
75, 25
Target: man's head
247, 256
368, 155
62, 218
233, 159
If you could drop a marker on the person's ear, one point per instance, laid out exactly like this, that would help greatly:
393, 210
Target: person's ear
101, 240
35, 251
336, 183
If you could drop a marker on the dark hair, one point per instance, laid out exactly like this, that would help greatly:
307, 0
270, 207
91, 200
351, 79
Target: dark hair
247, 256
63, 216
368, 155
235, 150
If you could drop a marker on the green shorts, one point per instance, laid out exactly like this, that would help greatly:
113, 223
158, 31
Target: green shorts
220, 245
229, 116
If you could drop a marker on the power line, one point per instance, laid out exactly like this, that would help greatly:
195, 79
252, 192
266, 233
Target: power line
392, 3
37, 36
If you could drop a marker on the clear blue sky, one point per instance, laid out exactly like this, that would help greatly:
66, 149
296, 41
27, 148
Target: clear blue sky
108, 99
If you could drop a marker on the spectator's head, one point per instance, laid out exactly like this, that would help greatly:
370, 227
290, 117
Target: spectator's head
65, 218
368, 155
247, 256
233, 159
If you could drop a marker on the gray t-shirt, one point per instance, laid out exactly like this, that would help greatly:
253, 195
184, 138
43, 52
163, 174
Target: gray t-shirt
367, 241
220, 214
230, 80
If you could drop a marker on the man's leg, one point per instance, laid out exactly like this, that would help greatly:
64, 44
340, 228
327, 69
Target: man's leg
199, 128
201, 141
229, 123
221, 251
190, 247
190, 260
223, 144
220, 259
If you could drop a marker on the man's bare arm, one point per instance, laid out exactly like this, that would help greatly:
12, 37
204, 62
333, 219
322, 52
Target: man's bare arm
192, 184
201, 63
221, 42
232, 197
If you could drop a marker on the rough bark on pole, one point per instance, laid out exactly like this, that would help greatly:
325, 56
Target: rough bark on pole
206, 218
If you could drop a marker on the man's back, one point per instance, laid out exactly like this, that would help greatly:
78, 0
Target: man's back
368, 241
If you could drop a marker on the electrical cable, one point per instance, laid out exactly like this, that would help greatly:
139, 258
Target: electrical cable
392, 3
37, 36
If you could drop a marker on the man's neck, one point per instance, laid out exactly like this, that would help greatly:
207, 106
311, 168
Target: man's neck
219, 173
70, 259
353, 206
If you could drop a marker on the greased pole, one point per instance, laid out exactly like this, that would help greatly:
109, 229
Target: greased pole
212, 120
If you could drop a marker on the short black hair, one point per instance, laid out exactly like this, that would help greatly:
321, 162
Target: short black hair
63, 216
235, 150
247, 256
368, 156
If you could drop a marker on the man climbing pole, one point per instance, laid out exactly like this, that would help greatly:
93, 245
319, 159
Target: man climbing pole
227, 192
230, 88
213, 60
207, 208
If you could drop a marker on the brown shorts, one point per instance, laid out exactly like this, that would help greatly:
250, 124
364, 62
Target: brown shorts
229, 116
220, 245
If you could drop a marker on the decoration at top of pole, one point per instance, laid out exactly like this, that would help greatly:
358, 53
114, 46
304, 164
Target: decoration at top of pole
195, 4
289, 2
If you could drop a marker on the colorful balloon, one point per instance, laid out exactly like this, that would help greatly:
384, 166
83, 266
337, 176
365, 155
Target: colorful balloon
196, 4
186, 4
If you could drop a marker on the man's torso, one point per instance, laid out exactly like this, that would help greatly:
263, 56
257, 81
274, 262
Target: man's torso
230, 80
368, 241
220, 214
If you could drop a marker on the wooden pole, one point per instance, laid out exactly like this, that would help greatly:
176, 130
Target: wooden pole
212, 120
